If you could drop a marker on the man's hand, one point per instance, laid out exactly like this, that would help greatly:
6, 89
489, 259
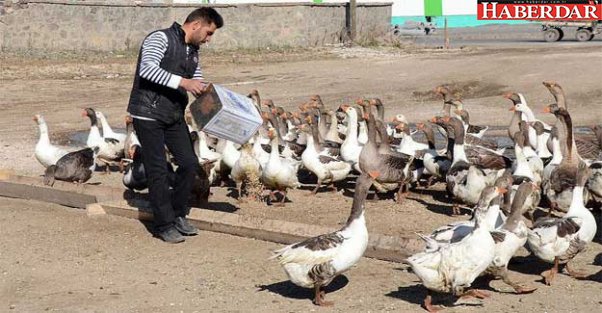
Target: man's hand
194, 86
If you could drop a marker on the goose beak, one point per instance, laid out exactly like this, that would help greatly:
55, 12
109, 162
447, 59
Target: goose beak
547, 109
434, 120
84, 113
512, 109
502, 190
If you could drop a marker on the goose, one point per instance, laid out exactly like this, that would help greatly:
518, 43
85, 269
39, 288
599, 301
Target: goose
315, 262
477, 131
524, 172
392, 165
465, 181
408, 145
594, 183
76, 166
134, 177
279, 174
471, 139
332, 134
436, 164
246, 170
45, 152
527, 115
559, 240
542, 138
110, 150
453, 267
533, 160
488, 206
131, 138
204, 153
586, 145
351, 147
516, 115
511, 236
559, 188
328, 169
107, 131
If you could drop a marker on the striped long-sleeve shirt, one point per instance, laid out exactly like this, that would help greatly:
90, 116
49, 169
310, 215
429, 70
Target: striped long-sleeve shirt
153, 51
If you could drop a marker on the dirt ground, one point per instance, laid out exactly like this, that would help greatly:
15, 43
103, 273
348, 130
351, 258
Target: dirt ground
73, 263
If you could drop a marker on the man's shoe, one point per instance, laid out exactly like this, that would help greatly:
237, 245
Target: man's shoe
171, 235
184, 227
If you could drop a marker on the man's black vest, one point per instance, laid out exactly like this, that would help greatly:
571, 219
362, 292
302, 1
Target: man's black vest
160, 102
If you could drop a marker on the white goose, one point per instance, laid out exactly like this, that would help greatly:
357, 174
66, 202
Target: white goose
453, 267
45, 152
110, 149
528, 116
511, 237
107, 131
315, 262
351, 147
488, 206
559, 240
246, 170
328, 169
279, 174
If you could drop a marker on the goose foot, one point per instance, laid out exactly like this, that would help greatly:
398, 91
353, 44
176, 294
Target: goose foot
475, 293
524, 289
456, 210
575, 273
319, 298
428, 304
549, 275
429, 182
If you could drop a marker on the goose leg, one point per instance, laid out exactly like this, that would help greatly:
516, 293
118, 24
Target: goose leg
318, 184
548, 275
428, 303
319, 297
283, 193
239, 188
574, 273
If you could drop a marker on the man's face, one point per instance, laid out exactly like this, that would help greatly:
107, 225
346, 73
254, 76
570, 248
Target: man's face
202, 32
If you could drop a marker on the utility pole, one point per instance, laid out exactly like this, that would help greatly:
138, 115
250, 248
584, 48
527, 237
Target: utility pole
352, 20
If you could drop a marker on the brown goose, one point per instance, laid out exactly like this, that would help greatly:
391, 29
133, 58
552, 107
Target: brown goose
586, 145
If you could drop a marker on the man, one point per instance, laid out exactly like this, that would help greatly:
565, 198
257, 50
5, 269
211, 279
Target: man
168, 68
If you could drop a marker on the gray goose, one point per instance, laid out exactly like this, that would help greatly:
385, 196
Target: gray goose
385, 168
76, 167
559, 188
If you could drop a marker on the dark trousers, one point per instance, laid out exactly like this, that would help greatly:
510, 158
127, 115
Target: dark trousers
154, 136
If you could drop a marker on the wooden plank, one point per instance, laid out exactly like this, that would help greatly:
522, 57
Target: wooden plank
47, 194
102, 193
383, 247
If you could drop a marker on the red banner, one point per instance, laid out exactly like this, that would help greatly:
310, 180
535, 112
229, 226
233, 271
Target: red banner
539, 10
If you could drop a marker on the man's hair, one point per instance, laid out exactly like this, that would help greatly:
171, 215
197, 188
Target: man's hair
206, 14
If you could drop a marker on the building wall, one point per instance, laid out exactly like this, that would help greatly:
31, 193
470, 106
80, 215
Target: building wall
122, 25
